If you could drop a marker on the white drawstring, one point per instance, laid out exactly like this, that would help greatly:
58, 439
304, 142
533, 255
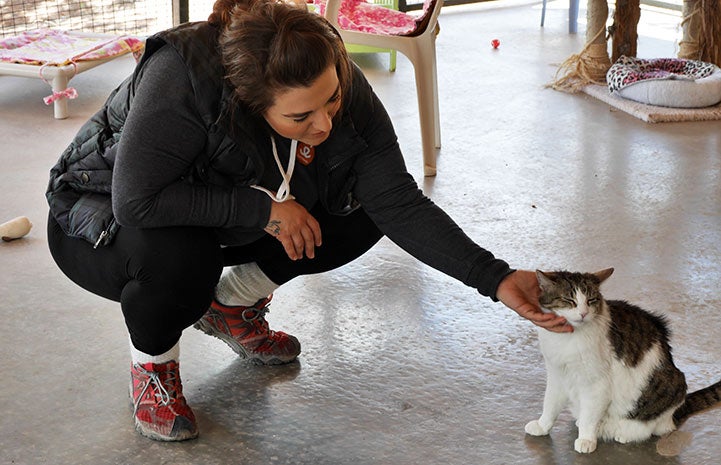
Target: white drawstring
283, 193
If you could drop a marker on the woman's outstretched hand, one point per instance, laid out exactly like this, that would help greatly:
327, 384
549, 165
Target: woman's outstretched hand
519, 291
295, 228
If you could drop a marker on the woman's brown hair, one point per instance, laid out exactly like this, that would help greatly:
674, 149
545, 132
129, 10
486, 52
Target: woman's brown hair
268, 46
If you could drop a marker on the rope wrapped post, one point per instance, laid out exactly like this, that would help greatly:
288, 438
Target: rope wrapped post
624, 31
691, 24
591, 64
701, 25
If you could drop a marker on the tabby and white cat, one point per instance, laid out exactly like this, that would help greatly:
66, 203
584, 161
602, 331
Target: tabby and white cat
615, 370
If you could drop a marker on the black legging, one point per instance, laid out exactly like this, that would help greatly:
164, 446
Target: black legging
164, 278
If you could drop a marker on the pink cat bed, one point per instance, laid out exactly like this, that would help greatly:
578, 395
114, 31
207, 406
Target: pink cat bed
56, 56
666, 82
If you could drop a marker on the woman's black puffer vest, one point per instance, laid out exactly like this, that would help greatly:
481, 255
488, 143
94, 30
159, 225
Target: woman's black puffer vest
80, 183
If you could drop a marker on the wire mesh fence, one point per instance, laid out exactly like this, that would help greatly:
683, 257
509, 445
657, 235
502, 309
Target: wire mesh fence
100, 16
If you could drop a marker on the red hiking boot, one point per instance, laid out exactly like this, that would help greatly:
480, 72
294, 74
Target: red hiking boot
245, 330
160, 410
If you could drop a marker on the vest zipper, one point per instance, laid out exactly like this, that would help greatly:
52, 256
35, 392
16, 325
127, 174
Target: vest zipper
100, 238
104, 233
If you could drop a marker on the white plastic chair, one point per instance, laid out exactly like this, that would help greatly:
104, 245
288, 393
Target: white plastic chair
420, 48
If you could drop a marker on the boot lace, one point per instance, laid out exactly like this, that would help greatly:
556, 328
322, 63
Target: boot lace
165, 389
256, 317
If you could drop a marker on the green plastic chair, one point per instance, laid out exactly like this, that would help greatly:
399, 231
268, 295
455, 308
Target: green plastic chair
354, 48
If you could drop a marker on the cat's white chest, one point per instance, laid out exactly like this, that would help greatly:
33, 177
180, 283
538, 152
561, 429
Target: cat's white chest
579, 365
585, 351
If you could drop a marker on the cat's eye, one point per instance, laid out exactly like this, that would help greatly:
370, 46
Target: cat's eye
568, 301
593, 301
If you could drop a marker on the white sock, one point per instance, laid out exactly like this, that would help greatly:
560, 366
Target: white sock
141, 357
243, 285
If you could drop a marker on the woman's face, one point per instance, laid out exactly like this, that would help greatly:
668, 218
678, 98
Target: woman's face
306, 113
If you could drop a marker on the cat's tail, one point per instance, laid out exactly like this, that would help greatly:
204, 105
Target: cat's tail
697, 401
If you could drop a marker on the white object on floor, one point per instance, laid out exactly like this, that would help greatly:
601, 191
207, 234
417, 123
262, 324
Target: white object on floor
15, 228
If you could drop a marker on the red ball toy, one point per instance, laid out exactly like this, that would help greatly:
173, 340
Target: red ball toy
495, 43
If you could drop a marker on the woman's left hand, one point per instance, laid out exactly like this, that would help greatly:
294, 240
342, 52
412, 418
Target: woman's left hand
519, 291
295, 228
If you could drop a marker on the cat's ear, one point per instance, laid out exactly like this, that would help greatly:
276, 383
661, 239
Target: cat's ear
603, 274
545, 279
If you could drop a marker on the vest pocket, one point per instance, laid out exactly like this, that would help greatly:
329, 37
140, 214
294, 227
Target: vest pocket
91, 218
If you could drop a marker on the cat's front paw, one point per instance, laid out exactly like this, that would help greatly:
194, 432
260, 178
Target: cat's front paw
585, 446
534, 428
622, 439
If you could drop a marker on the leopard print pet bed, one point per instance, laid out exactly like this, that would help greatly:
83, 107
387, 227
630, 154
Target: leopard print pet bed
667, 82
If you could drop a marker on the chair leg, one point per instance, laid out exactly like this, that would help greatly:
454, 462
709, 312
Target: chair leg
573, 17
392, 65
436, 109
426, 89
543, 13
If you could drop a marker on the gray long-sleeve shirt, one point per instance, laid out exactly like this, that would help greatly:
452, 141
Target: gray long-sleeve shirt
164, 135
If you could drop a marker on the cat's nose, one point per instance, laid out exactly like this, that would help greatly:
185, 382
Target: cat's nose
583, 315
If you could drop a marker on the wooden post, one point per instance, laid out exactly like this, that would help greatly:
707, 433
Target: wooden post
181, 11
691, 24
624, 31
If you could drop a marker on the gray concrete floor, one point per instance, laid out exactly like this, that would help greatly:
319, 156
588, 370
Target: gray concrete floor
400, 364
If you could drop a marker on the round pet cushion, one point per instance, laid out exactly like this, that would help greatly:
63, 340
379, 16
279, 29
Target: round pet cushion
667, 82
